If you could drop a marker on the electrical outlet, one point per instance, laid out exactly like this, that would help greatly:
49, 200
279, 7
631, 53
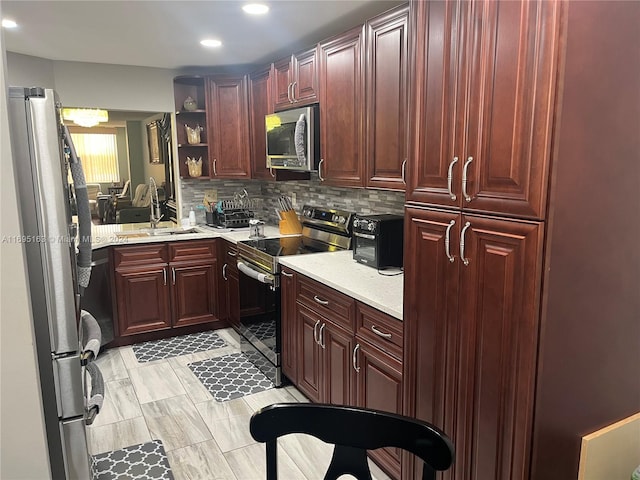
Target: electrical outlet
293, 198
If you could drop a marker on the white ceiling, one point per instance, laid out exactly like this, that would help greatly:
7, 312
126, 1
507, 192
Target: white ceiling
166, 33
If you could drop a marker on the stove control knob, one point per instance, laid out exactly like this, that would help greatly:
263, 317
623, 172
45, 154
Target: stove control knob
341, 219
371, 226
356, 223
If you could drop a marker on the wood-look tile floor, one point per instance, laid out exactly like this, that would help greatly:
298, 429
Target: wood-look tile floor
204, 439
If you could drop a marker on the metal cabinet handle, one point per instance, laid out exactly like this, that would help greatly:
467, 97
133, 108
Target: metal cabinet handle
320, 169
320, 301
315, 332
271, 172
450, 178
232, 254
467, 197
215, 172
446, 241
321, 335
404, 168
164, 274
464, 260
293, 92
354, 359
379, 333
286, 274
289, 93
224, 271
173, 274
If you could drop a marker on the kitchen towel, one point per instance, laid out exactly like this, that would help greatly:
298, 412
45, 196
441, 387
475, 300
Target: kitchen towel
176, 346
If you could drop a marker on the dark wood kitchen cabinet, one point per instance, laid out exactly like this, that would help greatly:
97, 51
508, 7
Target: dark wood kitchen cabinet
229, 284
499, 352
228, 120
475, 356
484, 102
342, 119
387, 80
295, 80
260, 105
165, 286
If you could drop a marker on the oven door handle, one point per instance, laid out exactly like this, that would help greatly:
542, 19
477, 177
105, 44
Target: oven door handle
364, 235
251, 272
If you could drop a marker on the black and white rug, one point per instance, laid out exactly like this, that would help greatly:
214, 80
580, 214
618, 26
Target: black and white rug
146, 461
176, 346
230, 376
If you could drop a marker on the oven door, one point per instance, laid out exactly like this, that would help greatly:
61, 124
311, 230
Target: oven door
260, 318
365, 249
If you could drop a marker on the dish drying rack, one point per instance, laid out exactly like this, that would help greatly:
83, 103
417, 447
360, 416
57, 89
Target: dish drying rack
234, 213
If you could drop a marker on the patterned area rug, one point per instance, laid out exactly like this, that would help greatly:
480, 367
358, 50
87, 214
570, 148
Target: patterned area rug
230, 376
176, 346
147, 461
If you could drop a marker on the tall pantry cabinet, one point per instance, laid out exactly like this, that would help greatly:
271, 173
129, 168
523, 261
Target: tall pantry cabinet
519, 303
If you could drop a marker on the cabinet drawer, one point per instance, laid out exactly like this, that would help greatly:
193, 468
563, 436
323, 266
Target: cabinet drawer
229, 255
137, 255
379, 329
331, 304
204, 250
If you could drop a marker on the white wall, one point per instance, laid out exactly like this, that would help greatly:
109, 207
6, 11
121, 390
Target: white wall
23, 449
28, 71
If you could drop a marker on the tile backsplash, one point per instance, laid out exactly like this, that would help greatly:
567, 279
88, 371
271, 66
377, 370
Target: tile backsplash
309, 192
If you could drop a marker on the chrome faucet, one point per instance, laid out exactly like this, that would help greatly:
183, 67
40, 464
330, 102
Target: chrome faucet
155, 216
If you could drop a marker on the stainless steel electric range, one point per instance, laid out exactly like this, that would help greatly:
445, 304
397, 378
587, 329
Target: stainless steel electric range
323, 230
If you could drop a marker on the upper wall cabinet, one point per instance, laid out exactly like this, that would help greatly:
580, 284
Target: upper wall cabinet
342, 161
260, 104
191, 102
295, 80
386, 99
228, 120
481, 132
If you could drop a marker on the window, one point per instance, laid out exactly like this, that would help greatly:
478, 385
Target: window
99, 155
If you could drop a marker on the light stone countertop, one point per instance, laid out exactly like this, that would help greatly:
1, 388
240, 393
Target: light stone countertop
340, 271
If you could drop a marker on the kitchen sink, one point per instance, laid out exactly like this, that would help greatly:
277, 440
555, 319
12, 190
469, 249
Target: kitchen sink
156, 232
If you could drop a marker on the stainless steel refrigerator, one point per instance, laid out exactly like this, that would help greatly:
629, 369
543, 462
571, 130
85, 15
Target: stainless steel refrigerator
58, 253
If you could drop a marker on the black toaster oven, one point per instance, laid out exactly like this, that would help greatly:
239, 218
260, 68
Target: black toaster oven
377, 240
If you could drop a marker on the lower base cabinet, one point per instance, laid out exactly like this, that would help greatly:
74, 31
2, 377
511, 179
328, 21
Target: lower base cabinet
346, 352
164, 286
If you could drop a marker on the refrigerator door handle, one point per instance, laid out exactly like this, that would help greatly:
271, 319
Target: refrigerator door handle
67, 373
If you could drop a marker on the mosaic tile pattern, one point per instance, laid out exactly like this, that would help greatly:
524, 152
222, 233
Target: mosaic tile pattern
263, 330
176, 346
146, 461
230, 376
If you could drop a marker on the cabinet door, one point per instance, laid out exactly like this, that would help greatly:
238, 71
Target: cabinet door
337, 349
305, 78
433, 152
387, 89
229, 132
498, 327
143, 300
430, 318
512, 56
309, 357
289, 325
194, 290
281, 85
260, 104
379, 386
342, 112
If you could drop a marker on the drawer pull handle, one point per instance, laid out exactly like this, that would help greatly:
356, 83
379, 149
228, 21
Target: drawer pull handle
315, 332
320, 301
321, 335
224, 272
379, 333
450, 178
467, 197
164, 273
231, 254
173, 274
446, 241
464, 260
354, 359
286, 274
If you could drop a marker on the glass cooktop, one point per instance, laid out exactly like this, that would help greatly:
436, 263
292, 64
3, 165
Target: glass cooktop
278, 247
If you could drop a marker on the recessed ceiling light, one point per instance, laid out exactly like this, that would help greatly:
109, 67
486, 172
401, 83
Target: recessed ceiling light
255, 8
6, 23
211, 43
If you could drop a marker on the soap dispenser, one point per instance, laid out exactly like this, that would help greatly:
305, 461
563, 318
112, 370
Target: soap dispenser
192, 218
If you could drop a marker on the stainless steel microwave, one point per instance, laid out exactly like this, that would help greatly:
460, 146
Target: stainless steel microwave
293, 139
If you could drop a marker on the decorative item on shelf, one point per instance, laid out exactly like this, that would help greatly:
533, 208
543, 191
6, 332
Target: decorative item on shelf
193, 134
190, 104
194, 166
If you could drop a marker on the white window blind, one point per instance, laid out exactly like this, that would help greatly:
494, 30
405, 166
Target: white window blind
99, 155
